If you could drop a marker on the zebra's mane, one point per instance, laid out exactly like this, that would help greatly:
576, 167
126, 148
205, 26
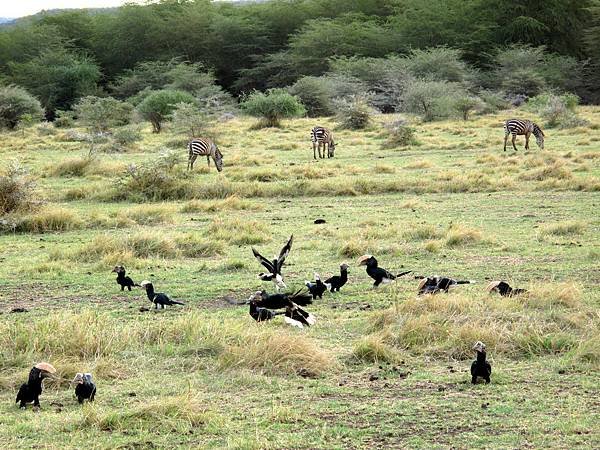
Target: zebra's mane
537, 130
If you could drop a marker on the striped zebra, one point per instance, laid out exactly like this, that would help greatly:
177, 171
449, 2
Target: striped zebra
519, 127
204, 147
320, 136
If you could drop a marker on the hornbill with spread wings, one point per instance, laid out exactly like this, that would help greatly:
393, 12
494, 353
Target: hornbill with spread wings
504, 289
262, 305
274, 266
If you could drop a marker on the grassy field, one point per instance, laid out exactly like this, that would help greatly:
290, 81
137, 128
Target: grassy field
381, 368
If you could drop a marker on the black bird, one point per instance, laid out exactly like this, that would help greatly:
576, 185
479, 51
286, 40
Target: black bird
504, 289
124, 281
480, 367
317, 288
294, 314
335, 282
274, 267
158, 298
433, 285
261, 314
379, 274
30, 392
85, 388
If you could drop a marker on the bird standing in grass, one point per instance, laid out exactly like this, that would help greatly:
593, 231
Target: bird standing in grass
335, 282
85, 389
317, 288
504, 289
274, 266
480, 368
158, 298
122, 280
435, 284
30, 392
379, 274
261, 304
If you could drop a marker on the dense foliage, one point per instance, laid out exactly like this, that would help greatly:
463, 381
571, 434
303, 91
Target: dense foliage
210, 49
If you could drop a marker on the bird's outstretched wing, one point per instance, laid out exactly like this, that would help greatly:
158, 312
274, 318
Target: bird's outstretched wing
285, 251
264, 261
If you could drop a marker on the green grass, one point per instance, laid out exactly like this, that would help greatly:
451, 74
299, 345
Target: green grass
381, 368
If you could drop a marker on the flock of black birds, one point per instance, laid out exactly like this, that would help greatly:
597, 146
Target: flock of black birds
265, 307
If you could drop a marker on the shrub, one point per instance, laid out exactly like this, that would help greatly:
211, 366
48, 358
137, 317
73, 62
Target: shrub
159, 105
101, 114
557, 110
438, 64
315, 94
16, 104
64, 119
354, 113
400, 134
492, 102
188, 119
465, 104
127, 135
48, 219
214, 100
273, 106
431, 99
73, 167
16, 189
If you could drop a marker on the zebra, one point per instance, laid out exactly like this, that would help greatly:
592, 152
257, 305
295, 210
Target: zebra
204, 146
321, 136
518, 127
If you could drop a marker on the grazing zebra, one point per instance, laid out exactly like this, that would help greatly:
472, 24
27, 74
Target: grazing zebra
518, 127
320, 136
204, 147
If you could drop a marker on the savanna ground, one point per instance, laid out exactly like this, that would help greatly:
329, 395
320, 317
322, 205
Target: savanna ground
381, 368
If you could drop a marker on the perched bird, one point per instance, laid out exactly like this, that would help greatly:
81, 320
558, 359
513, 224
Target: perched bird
274, 267
158, 298
30, 392
317, 288
262, 303
504, 289
335, 282
480, 367
435, 284
379, 274
85, 389
122, 280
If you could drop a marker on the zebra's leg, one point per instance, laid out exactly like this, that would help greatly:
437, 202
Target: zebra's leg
327, 150
505, 140
514, 138
314, 150
527, 141
208, 160
322, 148
192, 160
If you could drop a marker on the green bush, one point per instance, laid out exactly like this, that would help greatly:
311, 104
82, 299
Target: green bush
64, 119
355, 112
431, 99
558, 111
492, 102
315, 94
16, 105
466, 104
188, 119
400, 134
273, 106
159, 105
100, 114
438, 64
127, 135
